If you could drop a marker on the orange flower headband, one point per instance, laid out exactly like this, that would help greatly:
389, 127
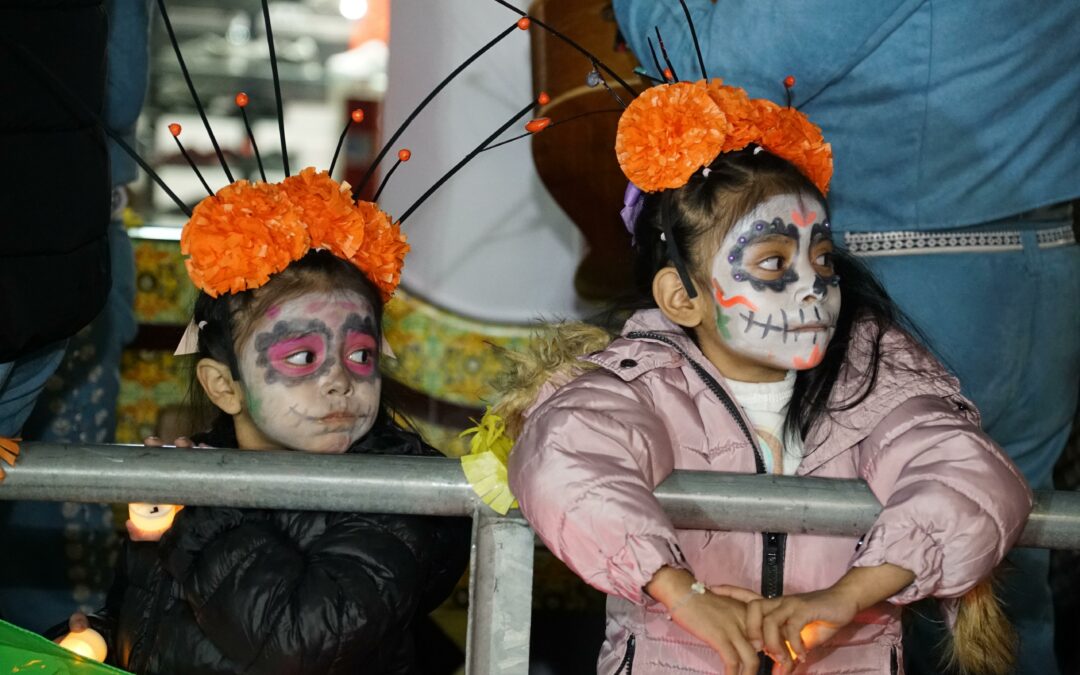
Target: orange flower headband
246, 232
671, 131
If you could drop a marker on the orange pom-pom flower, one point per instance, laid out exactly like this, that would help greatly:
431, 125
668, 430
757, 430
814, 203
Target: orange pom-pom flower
741, 114
327, 210
247, 232
383, 254
673, 130
237, 238
667, 133
357, 231
790, 135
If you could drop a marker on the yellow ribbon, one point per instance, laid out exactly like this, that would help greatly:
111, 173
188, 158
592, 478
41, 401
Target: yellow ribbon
485, 465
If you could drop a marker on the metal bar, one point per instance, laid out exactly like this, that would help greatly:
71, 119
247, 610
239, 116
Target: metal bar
246, 479
705, 500
432, 486
500, 595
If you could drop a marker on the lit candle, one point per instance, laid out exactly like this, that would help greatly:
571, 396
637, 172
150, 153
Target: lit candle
86, 643
152, 518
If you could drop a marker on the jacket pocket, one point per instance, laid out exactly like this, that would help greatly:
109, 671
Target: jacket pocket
627, 665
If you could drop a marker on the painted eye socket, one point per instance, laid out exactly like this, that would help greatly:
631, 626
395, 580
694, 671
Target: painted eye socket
824, 260
298, 356
360, 352
301, 358
360, 356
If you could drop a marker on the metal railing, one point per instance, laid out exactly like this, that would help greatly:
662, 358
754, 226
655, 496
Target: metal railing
500, 589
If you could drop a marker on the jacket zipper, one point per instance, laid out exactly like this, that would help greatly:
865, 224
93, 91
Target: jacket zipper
628, 660
774, 544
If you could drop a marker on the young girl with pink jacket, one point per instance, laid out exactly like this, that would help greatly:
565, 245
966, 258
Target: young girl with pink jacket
764, 349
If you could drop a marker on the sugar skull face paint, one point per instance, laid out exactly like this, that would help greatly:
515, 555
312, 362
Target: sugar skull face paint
309, 371
777, 295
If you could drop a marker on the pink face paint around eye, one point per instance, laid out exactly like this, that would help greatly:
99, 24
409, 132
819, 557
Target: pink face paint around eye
354, 342
279, 352
273, 312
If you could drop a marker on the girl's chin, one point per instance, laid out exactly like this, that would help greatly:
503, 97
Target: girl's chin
330, 446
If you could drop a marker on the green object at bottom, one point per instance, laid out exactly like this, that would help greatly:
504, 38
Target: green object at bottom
24, 652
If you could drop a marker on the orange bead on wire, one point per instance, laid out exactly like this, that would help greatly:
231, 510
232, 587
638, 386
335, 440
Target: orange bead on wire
355, 117
537, 125
403, 155
242, 101
524, 23
175, 130
543, 98
789, 84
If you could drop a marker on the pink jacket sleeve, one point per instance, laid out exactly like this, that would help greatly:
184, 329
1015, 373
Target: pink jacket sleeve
583, 472
953, 502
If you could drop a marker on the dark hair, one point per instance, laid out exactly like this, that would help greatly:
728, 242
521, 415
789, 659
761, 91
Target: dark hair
699, 214
225, 322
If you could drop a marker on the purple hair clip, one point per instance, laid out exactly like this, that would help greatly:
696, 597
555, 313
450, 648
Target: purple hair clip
633, 201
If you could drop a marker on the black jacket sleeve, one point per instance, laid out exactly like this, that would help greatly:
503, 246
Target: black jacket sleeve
446, 553
301, 591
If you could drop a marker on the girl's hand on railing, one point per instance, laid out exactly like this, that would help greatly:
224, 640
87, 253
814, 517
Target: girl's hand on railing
180, 442
149, 521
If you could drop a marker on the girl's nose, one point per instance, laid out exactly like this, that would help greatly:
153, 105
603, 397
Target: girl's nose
337, 382
807, 291
810, 295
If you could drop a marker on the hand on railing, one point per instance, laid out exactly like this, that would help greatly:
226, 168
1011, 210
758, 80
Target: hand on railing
147, 522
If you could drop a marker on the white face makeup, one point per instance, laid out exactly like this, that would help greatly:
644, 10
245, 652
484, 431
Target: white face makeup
310, 371
777, 295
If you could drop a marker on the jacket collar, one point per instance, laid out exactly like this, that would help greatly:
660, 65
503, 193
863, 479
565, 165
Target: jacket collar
907, 370
628, 358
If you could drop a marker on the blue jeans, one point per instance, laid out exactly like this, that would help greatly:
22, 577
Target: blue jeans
65, 558
21, 381
1008, 324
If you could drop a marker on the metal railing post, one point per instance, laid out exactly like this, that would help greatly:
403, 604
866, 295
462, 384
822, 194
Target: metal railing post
500, 595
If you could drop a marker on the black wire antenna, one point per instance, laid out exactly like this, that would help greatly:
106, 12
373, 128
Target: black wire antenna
191, 88
518, 25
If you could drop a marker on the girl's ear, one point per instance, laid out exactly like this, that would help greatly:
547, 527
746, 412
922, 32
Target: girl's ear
218, 383
673, 300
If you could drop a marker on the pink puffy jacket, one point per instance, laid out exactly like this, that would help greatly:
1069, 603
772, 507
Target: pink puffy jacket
592, 451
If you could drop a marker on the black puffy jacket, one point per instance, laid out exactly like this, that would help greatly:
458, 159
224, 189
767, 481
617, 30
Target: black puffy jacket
257, 591
54, 171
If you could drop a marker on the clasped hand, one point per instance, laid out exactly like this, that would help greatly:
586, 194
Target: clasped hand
738, 623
